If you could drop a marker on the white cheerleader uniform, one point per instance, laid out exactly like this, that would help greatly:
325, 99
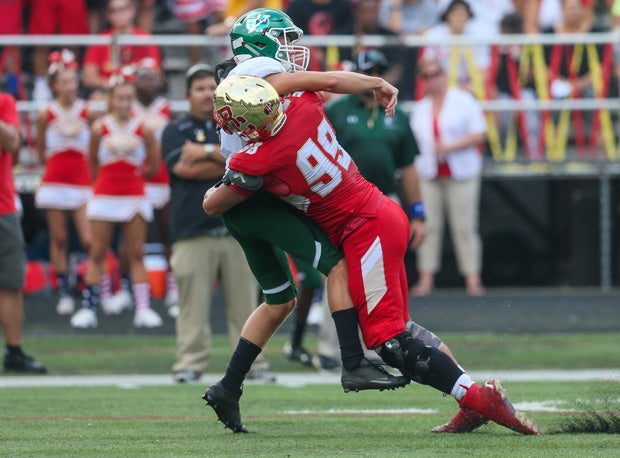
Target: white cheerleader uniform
157, 116
66, 182
118, 193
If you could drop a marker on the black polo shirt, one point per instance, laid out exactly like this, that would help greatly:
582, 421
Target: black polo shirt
187, 218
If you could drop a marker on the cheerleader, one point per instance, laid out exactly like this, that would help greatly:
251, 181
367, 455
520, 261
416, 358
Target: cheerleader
122, 151
155, 111
62, 145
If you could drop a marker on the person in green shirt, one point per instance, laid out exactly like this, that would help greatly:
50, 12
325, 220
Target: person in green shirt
381, 146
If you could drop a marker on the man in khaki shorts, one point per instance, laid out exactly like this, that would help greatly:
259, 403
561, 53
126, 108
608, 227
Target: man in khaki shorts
12, 253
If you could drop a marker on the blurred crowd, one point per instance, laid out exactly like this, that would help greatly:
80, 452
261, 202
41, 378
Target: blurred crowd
24, 69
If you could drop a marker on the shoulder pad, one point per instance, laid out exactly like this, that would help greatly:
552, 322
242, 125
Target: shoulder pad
249, 182
223, 69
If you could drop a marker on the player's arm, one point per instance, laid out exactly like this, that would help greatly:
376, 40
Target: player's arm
234, 189
338, 82
219, 199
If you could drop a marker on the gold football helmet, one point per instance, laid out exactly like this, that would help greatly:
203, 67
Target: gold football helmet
248, 106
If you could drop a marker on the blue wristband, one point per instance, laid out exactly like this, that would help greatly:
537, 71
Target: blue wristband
417, 210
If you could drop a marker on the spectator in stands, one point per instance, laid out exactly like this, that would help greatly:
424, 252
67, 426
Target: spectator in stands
198, 14
487, 14
237, 8
464, 63
11, 24
203, 251
511, 83
145, 18
12, 247
96, 15
63, 131
366, 22
449, 125
52, 17
408, 17
540, 15
122, 150
570, 77
321, 17
98, 60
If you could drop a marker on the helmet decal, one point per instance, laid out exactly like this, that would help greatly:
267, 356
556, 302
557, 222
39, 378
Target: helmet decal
257, 23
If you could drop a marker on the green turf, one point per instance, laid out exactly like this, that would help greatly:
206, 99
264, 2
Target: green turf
155, 354
314, 421
310, 421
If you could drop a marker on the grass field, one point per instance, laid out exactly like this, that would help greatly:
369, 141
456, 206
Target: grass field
314, 420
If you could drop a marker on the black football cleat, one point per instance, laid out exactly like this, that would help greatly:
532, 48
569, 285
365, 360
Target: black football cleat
371, 376
226, 407
23, 364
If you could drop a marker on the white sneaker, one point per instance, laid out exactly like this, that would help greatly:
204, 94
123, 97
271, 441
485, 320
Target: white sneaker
172, 298
84, 318
147, 318
173, 311
117, 303
65, 306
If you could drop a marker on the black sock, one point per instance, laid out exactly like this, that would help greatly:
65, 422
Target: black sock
13, 350
63, 284
298, 335
351, 352
90, 297
239, 365
126, 283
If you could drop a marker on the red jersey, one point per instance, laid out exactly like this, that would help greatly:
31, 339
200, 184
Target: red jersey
319, 178
100, 55
8, 114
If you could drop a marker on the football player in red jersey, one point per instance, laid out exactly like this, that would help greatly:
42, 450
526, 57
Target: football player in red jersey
293, 152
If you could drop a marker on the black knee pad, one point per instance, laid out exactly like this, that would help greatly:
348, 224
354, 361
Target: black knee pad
410, 356
421, 363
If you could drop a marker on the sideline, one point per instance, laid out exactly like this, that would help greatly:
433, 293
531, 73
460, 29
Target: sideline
288, 379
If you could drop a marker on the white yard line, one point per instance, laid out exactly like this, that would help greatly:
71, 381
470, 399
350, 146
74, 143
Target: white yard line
289, 379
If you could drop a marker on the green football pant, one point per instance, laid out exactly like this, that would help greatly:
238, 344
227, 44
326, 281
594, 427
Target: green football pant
267, 228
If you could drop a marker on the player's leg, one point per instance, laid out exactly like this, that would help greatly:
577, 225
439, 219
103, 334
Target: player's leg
310, 281
268, 218
374, 255
271, 269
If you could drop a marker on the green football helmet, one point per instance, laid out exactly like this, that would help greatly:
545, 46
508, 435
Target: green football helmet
271, 33
248, 106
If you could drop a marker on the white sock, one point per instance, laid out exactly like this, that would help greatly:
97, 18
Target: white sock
461, 386
141, 295
171, 284
106, 286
